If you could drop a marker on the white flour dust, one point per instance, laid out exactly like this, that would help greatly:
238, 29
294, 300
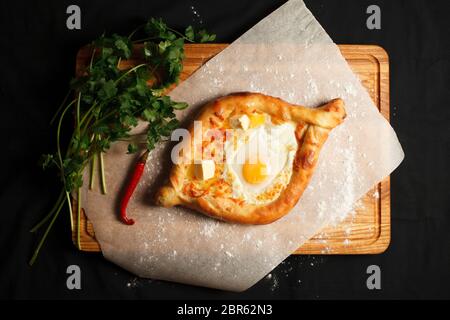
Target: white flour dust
196, 16
273, 280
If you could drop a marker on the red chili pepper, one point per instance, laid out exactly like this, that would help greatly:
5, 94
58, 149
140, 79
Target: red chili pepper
137, 174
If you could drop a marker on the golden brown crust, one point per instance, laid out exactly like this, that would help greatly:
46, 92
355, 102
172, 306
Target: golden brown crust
313, 127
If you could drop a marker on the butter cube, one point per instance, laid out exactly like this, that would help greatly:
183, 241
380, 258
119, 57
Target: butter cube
204, 170
244, 122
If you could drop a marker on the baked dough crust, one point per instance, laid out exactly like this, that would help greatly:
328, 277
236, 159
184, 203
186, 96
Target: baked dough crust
313, 127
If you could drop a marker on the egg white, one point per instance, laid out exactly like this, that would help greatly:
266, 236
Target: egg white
274, 145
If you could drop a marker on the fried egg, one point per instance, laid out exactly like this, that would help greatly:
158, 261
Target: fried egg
259, 160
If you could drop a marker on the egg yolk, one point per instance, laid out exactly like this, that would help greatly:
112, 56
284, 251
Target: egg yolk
254, 173
256, 119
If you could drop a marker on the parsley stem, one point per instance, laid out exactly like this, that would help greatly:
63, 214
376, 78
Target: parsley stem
58, 145
129, 71
79, 218
144, 39
78, 113
92, 58
41, 242
180, 34
88, 123
69, 203
49, 215
136, 30
60, 106
102, 173
88, 112
91, 174
105, 117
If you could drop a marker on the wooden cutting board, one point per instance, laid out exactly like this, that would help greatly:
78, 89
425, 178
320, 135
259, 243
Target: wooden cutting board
368, 229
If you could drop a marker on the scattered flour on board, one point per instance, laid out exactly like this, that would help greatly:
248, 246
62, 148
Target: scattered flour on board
312, 86
313, 90
322, 206
209, 229
348, 231
350, 89
259, 244
347, 190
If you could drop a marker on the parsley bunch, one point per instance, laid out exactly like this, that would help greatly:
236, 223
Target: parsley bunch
109, 101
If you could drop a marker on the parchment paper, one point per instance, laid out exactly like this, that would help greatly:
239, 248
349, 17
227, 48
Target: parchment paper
287, 55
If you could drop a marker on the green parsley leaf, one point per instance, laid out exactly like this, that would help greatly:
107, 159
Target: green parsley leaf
190, 34
132, 148
108, 90
180, 105
46, 161
204, 36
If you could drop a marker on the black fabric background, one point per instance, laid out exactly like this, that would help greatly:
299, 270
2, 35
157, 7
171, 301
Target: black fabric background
37, 61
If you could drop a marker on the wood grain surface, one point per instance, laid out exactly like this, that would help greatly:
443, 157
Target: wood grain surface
368, 229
